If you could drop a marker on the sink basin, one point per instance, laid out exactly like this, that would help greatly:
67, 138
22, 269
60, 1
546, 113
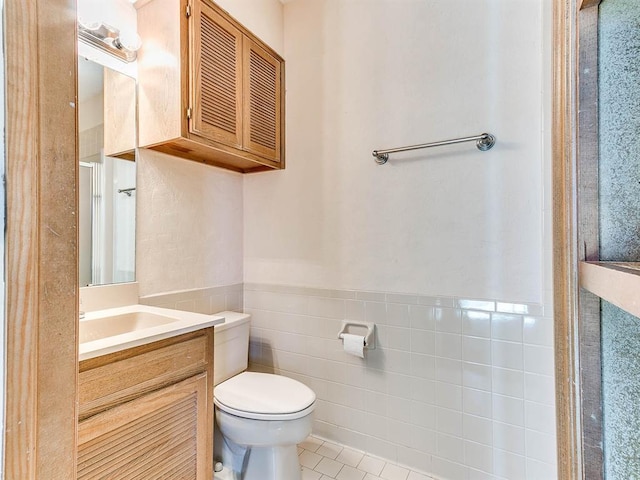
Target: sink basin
100, 328
107, 331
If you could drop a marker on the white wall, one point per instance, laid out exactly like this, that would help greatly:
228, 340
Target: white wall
123, 234
90, 113
189, 225
385, 73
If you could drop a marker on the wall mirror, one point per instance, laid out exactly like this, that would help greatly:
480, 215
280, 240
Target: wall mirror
107, 186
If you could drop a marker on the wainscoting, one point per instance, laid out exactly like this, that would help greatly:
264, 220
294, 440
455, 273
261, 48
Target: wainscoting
457, 388
202, 300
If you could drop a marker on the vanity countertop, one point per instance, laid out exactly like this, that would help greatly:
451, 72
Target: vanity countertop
115, 329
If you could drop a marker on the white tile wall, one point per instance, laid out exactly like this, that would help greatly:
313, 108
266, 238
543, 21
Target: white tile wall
91, 143
201, 300
457, 388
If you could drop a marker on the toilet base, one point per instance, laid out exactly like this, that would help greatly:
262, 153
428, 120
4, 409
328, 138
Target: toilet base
273, 463
279, 462
225, 474
261, 449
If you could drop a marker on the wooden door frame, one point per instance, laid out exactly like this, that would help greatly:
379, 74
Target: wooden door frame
41, 239
564, 241
576, 238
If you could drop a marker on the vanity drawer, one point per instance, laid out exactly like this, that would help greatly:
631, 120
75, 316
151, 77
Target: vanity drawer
122, 376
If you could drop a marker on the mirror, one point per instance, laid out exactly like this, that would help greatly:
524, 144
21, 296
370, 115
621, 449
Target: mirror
107, 187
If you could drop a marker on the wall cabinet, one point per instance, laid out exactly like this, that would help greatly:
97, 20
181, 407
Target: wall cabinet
119, 115
147, 412
210, 91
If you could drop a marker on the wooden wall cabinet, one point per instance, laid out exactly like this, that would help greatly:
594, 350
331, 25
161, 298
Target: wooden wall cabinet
210, 90
147, 412
119, 115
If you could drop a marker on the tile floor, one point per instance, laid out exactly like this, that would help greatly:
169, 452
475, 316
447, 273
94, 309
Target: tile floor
323, 460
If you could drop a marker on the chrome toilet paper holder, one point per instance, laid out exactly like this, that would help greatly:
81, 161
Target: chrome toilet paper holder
366, 329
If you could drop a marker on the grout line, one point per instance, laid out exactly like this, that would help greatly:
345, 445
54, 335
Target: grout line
402, 472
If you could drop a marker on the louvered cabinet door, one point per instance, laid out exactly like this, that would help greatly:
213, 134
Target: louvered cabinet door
216, 77
162, 435
262, 102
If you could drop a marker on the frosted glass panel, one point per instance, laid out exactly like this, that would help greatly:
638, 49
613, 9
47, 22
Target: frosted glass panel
619, 228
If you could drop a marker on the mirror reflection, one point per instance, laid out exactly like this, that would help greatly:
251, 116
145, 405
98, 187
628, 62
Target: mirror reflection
107, 187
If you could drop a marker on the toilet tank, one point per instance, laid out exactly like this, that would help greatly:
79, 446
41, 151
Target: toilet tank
231, 346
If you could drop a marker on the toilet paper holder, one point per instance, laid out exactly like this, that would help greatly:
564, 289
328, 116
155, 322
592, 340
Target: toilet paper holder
366, 329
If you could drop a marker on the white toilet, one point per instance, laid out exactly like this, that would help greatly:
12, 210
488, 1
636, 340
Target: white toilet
261, 417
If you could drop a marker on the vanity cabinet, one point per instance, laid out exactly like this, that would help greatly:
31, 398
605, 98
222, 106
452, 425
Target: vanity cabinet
147, 412
210, 90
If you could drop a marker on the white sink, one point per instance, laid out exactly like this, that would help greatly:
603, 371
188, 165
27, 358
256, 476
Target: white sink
99, 328
115, 329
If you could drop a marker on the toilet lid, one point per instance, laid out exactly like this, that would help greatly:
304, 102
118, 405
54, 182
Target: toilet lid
264, 396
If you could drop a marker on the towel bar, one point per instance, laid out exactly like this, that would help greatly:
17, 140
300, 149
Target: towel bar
484, 142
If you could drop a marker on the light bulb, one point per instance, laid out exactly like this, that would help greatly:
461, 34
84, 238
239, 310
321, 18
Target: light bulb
128, 40
89, 25
90, 14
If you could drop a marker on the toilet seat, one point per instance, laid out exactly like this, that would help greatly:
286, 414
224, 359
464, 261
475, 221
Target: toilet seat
263, 396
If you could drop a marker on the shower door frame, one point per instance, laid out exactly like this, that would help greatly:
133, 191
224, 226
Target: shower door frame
576, 240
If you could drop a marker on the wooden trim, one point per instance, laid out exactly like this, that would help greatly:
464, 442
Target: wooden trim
617, 283
589, 3
587, 211
569, 433
198, 149
283, 115
576, 237
41, 248
590, 381
588, 154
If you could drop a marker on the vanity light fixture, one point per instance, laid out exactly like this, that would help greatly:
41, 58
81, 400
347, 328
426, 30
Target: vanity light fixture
122, 45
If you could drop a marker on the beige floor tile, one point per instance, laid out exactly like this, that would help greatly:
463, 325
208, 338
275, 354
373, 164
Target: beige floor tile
309, 459
371, 465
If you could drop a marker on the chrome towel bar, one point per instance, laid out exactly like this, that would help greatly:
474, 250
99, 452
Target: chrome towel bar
127, 191
483, 141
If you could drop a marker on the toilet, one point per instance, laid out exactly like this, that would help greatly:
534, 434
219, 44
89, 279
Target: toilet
260, 417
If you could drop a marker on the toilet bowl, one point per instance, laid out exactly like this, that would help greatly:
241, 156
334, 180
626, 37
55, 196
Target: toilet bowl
260, 417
